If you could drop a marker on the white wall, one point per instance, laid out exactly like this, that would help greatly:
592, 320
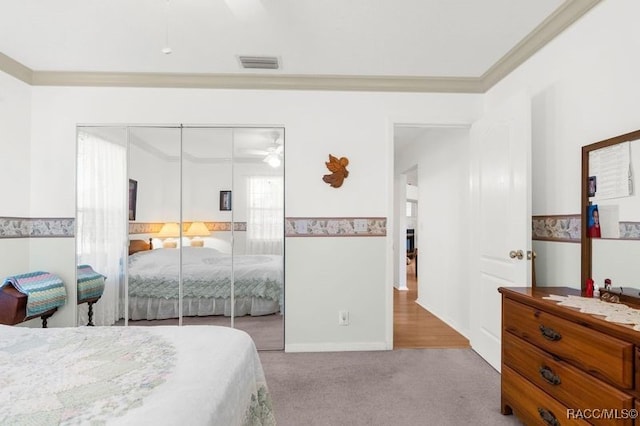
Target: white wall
158, 196
412, 192
324, 277
15, 119
557, 263
20, 255
442, 156
585, 88
399, 230
355, 125
202, 186
158, 178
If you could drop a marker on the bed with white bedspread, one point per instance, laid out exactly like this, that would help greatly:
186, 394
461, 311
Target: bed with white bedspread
207, 274
191, 375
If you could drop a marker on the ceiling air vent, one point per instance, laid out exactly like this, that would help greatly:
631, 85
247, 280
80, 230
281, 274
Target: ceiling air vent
259, 62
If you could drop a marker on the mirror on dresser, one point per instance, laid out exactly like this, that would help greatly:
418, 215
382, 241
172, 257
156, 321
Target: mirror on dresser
610, 233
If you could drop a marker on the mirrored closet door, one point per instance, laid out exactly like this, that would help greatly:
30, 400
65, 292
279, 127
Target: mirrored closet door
187, 225
154, 218
101, 228
257, 206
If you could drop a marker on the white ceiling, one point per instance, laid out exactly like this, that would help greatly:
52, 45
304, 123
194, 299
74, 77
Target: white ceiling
399, 45
459, 39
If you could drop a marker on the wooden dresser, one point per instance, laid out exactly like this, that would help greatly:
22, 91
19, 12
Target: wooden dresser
564, 367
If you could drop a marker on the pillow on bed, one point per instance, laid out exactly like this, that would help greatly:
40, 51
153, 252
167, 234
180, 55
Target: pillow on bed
217, 244
159, 243
171, 243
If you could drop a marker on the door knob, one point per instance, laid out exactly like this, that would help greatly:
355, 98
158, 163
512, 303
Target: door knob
516, 254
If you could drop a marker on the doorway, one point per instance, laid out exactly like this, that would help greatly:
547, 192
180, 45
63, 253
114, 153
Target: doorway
431, 306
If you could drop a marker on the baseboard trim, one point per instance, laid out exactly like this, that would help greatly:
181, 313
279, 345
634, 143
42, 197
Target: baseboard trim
464, 333
336, 347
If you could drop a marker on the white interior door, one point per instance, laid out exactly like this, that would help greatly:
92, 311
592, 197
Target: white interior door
500, 164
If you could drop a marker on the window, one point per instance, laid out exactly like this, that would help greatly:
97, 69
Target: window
265, 221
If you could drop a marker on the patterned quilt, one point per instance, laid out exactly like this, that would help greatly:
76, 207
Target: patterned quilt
206, 273
90, 283
44, 291
131, 375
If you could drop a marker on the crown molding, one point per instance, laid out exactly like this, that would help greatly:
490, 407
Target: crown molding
260, 81
15, 69
569, 12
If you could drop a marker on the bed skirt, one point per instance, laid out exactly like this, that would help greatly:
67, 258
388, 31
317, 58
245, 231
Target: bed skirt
144, 308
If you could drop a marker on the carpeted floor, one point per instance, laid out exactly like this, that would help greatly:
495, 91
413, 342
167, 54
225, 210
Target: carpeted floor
437, 387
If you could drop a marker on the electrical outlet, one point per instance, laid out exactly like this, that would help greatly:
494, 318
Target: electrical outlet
343, 318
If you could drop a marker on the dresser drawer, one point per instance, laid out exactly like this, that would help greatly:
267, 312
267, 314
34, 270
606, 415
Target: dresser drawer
531, 405
569, 385
603, 356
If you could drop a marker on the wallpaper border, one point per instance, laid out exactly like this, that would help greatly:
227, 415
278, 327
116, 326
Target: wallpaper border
560, 228
37, 227
154, 227
630, 230
334, 227
566, 228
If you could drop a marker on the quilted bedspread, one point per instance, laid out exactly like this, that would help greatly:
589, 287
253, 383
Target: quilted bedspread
196, 375
206, 272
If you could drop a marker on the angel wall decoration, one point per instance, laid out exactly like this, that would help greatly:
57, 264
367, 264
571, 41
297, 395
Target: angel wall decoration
338, 167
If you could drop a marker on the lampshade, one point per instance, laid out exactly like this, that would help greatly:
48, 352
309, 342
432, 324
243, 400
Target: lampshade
169, 230
197, 229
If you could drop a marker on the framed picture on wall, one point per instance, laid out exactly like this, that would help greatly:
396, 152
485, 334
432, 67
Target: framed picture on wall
225, 200
133, 196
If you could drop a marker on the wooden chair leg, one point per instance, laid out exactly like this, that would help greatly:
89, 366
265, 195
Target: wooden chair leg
90, 323
44, 320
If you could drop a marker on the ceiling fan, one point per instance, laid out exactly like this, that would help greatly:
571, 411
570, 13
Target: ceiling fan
272, 154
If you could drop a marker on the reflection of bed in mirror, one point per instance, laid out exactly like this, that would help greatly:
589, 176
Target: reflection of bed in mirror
196, 375
206, 277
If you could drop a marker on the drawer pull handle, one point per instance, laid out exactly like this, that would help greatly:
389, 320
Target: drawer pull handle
550, 334
548, 417
549, 375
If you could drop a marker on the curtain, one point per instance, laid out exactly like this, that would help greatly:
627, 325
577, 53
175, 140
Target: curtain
265, 221
101, 221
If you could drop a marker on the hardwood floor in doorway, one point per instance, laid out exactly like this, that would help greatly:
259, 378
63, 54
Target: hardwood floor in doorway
415, 327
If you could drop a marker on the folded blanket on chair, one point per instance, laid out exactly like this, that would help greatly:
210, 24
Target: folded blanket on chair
90, 283
44, 291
